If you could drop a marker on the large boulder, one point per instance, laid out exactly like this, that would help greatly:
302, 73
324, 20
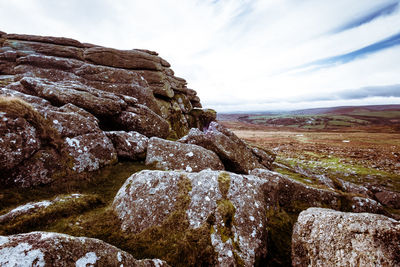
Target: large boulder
53, 249
233, 152
170, 155
323, 237
228, 207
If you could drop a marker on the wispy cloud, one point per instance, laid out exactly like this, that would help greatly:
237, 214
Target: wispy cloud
233, 51
391, 41
385, 10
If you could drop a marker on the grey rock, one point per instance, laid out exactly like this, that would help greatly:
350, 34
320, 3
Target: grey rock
323, 237
129, 145
236, 202
233, 152
90, 151
169, 155
54, 249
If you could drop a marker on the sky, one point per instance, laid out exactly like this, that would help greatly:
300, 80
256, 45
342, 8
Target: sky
243, 55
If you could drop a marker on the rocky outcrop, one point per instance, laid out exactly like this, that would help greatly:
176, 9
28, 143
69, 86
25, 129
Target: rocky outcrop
323, 237
141, 74
53, 249
229, 207
169, 155
72, 95
233, 152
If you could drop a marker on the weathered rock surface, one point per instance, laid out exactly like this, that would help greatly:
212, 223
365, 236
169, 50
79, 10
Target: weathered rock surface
18, 140
129, 145
293, 195
233, 152
138, 73
90, 151
53, 249
323, 237
79, 91
388, 198
169, 155
144, 121
230, 205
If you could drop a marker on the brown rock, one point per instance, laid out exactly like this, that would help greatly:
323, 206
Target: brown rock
70, 124
129, 145
49, 62
44, 39
46, 49
232, 151
158, 82
90, 151
127, 59
61, 93
54, 249
389, 198
143, 120
201, 118
18, 139
266, 158
323, 237
44, 167
293, 195
169, 155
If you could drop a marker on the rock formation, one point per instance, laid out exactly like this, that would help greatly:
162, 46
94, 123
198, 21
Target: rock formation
52, 249
323, 237
66, 101
111, 145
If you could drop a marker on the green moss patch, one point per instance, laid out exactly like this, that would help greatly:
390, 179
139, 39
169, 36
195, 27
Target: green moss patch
64, 207
173, 240
280, 227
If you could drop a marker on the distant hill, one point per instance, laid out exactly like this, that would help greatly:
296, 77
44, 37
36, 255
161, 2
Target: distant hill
349, 118
346, 109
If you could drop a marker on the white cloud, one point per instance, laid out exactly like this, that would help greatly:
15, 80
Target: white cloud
230, 51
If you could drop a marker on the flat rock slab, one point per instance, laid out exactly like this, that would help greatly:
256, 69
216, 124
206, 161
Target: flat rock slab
323, 237
53, 249
169, 155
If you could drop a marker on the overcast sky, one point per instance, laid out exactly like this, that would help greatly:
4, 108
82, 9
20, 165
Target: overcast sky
243, 54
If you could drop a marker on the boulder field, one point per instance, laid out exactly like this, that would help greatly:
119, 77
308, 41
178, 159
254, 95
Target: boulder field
108, 159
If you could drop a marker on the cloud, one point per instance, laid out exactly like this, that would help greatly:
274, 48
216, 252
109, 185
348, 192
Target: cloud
391, 41
385, 10
237, 51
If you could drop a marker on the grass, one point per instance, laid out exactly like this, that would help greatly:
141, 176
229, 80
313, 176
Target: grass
172, 241
334, 167
104, 183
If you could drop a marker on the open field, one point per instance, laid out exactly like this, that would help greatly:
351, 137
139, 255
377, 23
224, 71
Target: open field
370, 159
349, 119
